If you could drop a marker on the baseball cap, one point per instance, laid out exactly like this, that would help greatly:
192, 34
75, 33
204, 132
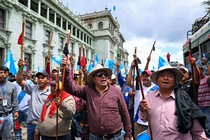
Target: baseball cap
113, 77
52, 83
147, 72
54, 70
44, 73
184, 68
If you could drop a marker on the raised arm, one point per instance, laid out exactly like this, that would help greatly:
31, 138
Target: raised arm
196, 74
206, 63
147, 64
130, 75
69, 84
20, 79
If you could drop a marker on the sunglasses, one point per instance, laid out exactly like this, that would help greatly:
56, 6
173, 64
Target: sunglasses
100, 74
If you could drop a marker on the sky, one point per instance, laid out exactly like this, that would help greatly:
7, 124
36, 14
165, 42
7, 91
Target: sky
144, 21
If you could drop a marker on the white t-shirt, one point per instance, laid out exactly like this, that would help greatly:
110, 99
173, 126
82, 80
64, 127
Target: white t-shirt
137, 100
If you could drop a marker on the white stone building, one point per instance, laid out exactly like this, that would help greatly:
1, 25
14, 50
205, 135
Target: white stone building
98, 32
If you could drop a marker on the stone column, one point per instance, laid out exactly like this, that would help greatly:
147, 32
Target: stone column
55, 18
29, 4
39, 7
48, 13
62, 22
67, 25
71, 29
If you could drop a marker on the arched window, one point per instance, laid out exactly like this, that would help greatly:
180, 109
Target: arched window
100, 25
89, 26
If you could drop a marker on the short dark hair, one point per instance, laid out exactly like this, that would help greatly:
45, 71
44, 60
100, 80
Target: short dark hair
200, 68
4, 68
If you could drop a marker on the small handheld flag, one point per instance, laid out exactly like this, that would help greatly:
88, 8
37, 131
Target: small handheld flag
20, 39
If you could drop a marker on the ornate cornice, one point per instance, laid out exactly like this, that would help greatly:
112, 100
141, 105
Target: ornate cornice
46, 46
29, 17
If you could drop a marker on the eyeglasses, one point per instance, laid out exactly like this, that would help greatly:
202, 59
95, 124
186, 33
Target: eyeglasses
100, 74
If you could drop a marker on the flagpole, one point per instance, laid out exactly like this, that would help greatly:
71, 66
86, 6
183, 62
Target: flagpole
49, 45
153, 49
66, 52
141, 88
22, 43
193, 78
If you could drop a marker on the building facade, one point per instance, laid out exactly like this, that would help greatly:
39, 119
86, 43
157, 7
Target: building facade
43, 17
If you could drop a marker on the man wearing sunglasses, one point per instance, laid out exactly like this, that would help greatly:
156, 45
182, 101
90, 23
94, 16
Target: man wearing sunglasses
107, 110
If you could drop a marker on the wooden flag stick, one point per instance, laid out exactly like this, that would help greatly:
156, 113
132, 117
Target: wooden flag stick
138, 73
152, 48
193, 78
149, 57
66, 52
50, 42
22, 45
141, 88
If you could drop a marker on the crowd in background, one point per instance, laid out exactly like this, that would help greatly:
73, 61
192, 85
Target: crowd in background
98, 105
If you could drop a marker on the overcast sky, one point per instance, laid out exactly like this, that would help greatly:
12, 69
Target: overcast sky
144, 21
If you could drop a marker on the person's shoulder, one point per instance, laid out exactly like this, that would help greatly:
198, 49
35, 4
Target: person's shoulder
154, 87
152, 93
9, 84
114, 88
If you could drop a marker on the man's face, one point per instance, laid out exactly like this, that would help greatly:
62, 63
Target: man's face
42, 81
185, 76
166, 80
146, 79
54, 89
3, 76
113, 82
24, 76
28, 75
100, 78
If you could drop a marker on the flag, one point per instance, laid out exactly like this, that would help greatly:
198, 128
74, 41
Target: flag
39, 69
24, 68
96, 60
190, 57
122, 69
206, 55
108, 63
17, 125
114, 8
143, 136
20, 39
153, 67
161, 62
90, 68
140, 70
57, 59
10, 63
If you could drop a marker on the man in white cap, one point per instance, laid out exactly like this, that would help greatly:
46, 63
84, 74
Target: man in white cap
187, 82
107, 110
113, 81
170, 112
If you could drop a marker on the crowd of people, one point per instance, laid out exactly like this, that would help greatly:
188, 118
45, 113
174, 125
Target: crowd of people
170, 103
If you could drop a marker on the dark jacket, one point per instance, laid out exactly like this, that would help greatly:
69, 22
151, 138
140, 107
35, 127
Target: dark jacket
186, 111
